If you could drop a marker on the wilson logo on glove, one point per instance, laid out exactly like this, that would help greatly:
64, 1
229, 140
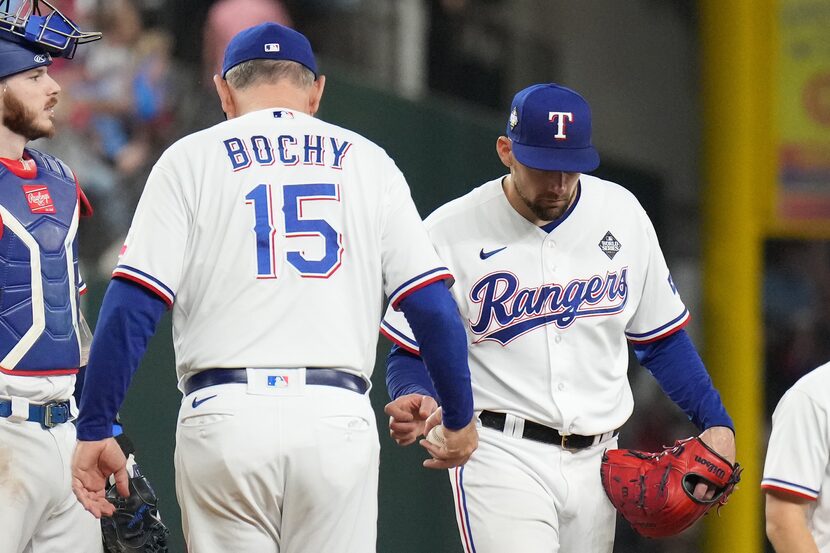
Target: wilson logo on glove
719, 472
654, 492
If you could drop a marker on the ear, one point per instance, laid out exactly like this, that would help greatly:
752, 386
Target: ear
225, 96
316, 94
504, 148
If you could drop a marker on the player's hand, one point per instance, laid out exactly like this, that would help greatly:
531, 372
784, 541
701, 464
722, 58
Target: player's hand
722, 440
408, 415
92, 465
457, 445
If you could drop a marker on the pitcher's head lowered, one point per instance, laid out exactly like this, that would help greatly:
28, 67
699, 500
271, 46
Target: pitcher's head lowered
546, 147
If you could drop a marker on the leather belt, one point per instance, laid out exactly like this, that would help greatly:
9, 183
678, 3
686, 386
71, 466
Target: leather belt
47, 414
313, 376
545, 434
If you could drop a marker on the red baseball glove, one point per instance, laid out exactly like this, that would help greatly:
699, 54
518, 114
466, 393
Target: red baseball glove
653, 491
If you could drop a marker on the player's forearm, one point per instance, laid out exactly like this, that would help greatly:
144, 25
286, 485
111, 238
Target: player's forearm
789, 539
128, 318
433, 316
676, 365
787, 527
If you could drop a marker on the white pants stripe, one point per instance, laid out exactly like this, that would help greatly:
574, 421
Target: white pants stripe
462, 516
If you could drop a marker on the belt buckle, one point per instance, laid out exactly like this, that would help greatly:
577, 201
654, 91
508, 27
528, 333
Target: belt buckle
48, 416
563, 442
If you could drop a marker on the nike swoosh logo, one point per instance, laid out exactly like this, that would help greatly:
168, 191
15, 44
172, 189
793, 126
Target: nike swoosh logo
198, 402
484, 255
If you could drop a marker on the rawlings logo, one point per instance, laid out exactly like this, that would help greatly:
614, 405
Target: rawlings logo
710, 466
39, 199
516, 311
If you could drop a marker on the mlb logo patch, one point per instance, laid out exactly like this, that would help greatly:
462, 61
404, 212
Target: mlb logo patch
277, 381
39, 199
272, 47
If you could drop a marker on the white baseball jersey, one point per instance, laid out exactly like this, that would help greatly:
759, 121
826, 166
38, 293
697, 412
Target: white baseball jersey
548, 313
798, 455
277, 234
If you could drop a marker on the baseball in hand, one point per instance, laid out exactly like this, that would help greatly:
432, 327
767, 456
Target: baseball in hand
436, 435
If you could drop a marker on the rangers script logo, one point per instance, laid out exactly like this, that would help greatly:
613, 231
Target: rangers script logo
507, 311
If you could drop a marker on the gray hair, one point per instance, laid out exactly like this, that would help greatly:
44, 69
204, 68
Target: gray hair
261, 71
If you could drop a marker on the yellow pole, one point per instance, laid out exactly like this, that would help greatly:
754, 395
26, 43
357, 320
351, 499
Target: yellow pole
738, 173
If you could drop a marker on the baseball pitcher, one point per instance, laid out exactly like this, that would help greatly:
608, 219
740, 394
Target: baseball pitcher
556, 272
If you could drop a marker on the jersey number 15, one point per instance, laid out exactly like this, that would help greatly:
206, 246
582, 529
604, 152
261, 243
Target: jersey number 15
295, 226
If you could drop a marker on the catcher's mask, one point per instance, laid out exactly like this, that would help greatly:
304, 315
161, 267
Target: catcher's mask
22, 21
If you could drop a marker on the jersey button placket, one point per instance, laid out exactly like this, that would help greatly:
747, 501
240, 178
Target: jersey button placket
559, 386
549, 259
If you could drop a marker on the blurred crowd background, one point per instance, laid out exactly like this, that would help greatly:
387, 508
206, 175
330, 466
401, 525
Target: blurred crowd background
149, 82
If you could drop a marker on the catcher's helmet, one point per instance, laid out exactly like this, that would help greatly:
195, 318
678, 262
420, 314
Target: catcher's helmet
22, 21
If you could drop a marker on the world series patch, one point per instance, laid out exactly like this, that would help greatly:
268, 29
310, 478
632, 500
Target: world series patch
609, 245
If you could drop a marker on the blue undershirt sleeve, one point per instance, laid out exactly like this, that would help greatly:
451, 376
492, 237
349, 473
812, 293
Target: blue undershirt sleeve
407, 374
433, 317
679, 370
128, 318
117, 428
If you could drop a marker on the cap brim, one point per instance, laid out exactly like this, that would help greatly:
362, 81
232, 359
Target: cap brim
570, 160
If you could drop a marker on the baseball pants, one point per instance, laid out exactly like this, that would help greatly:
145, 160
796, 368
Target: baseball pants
38, 511
277, 474
516, 494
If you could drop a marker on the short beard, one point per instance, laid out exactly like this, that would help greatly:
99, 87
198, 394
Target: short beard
541, 213
21, 121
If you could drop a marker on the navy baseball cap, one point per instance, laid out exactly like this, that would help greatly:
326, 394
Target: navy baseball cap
16, 58
268, 41
550, 127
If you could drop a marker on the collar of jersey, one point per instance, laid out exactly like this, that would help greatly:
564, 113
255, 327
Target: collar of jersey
295, 112
24, 168
553, 224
